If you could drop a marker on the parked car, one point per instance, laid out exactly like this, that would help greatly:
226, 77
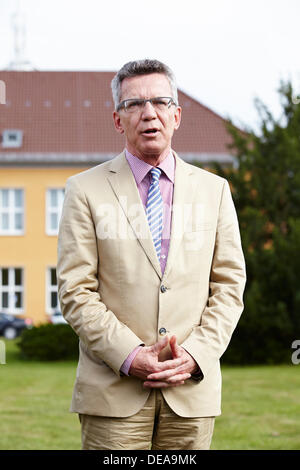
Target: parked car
57, 318
12, 326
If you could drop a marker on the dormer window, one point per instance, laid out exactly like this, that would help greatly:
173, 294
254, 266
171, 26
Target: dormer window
12, 138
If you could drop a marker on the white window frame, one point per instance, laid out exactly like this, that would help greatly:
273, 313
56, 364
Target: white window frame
49, 289
11, 289
53, 210
11, 210
7, 142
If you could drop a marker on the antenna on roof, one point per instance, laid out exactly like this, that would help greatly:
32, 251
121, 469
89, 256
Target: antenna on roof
19, 61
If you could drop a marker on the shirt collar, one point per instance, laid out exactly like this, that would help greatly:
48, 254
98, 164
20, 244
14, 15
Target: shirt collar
140, 168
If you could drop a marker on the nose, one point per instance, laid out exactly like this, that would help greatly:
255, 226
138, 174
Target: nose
148, 111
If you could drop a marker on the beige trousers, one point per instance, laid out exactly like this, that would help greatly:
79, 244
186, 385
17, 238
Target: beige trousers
154, 427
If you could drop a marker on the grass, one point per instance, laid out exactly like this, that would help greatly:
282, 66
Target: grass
261, 406
34, 403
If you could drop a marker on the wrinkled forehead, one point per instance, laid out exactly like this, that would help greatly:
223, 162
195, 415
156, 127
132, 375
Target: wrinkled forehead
145, 86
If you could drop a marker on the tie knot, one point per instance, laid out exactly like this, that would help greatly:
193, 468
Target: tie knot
155, 173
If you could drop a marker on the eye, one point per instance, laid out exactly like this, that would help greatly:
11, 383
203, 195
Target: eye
161, 102
133, 104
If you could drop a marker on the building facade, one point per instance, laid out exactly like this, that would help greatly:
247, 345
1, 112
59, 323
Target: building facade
54, 125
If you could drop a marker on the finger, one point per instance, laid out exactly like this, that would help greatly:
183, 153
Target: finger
170, 364
149, 384
179, 378
173, 343
157, 347
173, 379
165, 374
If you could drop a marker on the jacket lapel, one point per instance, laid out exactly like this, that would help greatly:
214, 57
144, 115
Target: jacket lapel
183, 195
124, 186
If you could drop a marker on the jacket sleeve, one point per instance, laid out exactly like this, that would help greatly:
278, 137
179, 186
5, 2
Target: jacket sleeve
208, 341
78, 284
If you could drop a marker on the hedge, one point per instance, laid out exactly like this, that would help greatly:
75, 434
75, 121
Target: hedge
49, 343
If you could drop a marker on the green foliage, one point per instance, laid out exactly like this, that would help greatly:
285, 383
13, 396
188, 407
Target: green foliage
266, 192
49, 343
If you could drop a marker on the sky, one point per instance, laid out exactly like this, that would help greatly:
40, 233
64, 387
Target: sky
224, 53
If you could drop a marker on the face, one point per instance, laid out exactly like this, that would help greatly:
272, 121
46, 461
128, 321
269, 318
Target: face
157, 143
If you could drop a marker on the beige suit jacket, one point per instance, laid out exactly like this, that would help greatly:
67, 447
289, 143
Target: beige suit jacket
110, 284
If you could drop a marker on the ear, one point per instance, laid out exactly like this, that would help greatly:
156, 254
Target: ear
177, 117
117, 122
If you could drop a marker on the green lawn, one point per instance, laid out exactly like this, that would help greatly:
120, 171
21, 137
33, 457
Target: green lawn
261, 406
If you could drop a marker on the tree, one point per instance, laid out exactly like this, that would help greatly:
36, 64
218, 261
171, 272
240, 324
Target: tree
266, 192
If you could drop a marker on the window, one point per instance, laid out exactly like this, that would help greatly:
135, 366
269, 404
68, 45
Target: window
11, 211
54, 203
52, 304
12, 138
11, 290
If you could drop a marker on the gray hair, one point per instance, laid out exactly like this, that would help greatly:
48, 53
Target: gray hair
142, 67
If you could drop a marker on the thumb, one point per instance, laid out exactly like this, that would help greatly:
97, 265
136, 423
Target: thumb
157, 347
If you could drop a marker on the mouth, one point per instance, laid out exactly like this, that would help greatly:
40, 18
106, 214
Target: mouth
151, 132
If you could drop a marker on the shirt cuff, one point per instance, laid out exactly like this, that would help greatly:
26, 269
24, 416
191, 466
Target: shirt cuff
127, 363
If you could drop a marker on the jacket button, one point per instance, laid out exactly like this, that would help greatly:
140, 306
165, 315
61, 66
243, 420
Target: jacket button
163, 288
162, 331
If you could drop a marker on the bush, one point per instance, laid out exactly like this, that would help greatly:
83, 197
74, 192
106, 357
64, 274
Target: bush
49, 343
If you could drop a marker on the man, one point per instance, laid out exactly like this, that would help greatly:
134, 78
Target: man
151, 277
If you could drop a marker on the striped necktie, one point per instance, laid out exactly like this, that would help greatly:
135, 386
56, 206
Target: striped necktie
154, 210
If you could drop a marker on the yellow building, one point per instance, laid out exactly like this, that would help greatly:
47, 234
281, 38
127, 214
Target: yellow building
53, 125
30, 208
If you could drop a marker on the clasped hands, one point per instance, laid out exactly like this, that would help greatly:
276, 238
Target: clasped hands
168, 373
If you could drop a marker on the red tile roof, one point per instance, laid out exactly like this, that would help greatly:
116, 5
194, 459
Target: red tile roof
72, 112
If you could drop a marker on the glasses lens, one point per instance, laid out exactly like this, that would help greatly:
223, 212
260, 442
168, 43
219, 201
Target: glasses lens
161, 103
133, 106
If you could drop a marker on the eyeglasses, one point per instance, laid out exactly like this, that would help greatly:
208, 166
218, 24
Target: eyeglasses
134, 105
